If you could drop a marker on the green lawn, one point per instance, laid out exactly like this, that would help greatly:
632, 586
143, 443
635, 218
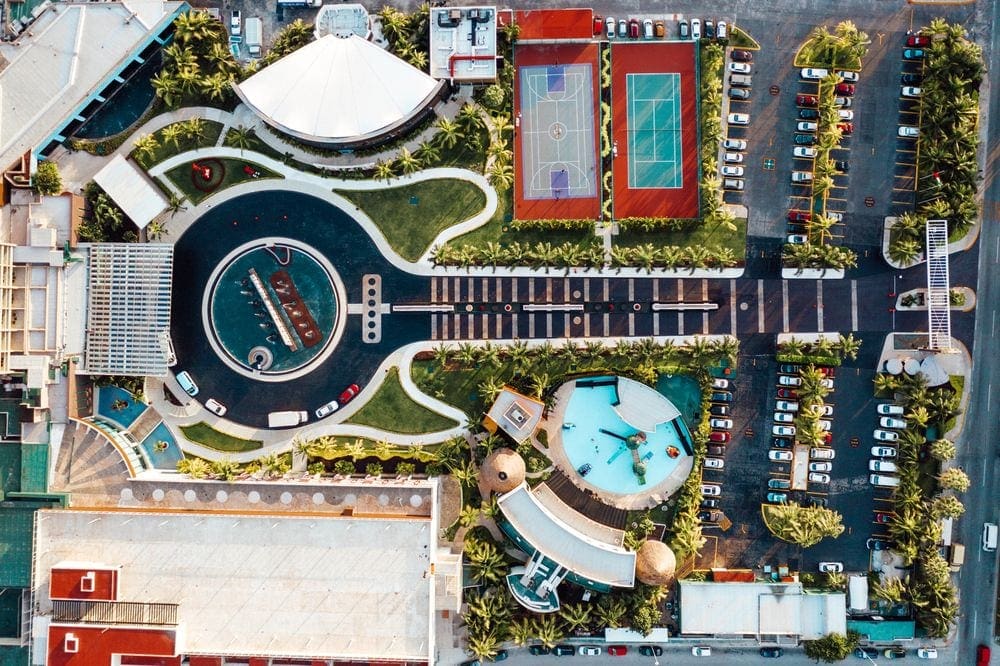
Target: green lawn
464, 156
206, 435
458, 387
698, 235
211, 132
413, 215
497, 230
234, 174
392, 410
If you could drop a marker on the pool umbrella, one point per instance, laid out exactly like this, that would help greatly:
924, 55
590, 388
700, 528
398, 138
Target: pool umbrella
655, 563
911, 366
502, 471
893, 366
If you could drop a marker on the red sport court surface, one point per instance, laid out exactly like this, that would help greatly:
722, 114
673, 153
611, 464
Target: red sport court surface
654, 116
556, 95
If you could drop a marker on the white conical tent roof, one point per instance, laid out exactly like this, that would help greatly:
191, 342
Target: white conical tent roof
336, 89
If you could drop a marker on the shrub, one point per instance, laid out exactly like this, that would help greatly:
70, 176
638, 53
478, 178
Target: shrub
405, 468
46, 178
373, 469
344, 467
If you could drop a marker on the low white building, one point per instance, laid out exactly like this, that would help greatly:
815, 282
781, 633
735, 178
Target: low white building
766, 611
463, 43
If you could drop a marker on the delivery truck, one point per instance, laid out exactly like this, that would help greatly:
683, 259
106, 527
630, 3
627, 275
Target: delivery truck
286, 419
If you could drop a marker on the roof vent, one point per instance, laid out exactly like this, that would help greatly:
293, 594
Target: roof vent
71, 644
87, 582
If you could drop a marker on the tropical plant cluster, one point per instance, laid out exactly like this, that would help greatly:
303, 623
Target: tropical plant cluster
175, 138
823, 351
947, 168
819, 257
291, 38
652, 224
567, 224
46, 179
922, 499
407, 34
198, 66
344, 454
648, 256
103, 221
270, 467
713, 58
844, 48
832, 647
802, 525
811, 394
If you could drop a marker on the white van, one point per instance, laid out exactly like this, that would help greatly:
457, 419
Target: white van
884, 481
989, 537
882, 466
286, 419
184, 379
741, 80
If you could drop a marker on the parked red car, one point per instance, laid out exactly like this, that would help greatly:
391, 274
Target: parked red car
983, 655
882, 518
617, 650
845, 89
633, 28
348, 394
787, 393
846, 128
799, 216
805, 100
918, 40
827, 371
740, 55
718, 437
598, 25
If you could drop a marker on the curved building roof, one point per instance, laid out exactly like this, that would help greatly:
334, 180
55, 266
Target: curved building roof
337, 89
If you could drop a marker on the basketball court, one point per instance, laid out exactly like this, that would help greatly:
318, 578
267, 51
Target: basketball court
556, 167
654, 129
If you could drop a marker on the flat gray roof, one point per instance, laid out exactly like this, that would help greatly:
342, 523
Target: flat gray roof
345, 588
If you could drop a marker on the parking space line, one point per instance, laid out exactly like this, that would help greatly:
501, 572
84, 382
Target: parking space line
656, 298
607, 290
784, 306
631, 289
760, 306
548, 325
513, 326
444, 327
566, 324
680, 323
531, 290
531, 324
586, 325
548, 293
499, 333
606, 320
854, 305
631, 324
819, 305
434, 327
732, 307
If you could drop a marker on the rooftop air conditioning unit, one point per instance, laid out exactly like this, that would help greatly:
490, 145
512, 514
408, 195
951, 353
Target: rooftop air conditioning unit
87, 582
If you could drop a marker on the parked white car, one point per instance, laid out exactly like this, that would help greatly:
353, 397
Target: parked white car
779, 455
721, 424
711, 490
802, 177
831, 567
908, 132
889, 422
739, 118
806, 126
886, 436
822, 453
911, 91
789, 380
804, 151
845, 114
783, 431
784, 417
728, 170
720, 383
884, 451
734, 144
215, 407
889, 409
881, 466
732, 158
849, 77
816, 477
715, 463
739, 67
814, 73
787, 406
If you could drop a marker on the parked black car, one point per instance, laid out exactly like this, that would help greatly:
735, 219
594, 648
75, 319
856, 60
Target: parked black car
722, 396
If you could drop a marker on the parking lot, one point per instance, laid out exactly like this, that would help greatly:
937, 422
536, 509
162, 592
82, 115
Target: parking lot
744, 481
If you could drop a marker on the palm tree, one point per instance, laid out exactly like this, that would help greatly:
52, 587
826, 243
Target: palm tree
501, 176
490, 388
792, 346
356, 449
449, 132
155, 229
849, 346
904, 250
167, 88
820, 227
188, 79
172, 134
886, 384
521, 631
216, 86
385, 170
469, 117
193, 128
487, 563
547, 630
240, 137
919, 416
576, 616
175, 204
146, 145
954, 479
484, 645
408, 163
428, 153
892, 591
610, 611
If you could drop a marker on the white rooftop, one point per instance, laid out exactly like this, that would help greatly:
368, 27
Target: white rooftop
71, 50
337, 89
643, 407
132, 190
563, 543
344, 588
463, 43
728, 609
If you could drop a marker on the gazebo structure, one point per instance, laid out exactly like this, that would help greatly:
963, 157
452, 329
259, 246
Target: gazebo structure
502, 471
655, 563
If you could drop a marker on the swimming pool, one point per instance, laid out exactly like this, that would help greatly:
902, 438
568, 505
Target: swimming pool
600, 417
118, 405
161, 448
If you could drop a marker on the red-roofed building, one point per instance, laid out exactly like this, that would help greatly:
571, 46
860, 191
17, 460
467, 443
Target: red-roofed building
565, 25
96, 645
81, 581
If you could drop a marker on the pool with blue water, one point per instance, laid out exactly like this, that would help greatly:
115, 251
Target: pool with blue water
118, 405
594, 435
161, 448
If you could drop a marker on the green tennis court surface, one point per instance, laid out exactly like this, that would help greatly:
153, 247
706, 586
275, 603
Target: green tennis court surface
654, 131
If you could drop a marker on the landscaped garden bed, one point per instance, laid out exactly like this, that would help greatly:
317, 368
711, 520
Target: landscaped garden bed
390, 409
191, 182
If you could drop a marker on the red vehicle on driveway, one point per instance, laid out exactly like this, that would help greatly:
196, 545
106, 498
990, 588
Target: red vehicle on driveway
806, 100
598, 24
633, 28
348, 394
918, 40
846, 89
617, 650
799, 216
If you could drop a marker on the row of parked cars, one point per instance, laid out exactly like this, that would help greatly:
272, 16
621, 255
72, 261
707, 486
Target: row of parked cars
910, 81
739, 70
881, 465
648, 28
807, 123
721, 422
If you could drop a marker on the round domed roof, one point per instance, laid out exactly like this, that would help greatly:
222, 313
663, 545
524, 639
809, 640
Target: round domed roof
655, 563
502, 471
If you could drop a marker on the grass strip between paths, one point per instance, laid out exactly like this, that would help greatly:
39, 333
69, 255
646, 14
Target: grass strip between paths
392, 410
206, 435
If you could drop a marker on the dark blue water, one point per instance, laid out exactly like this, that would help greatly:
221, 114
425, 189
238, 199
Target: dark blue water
125, 107
106, 397
169, 457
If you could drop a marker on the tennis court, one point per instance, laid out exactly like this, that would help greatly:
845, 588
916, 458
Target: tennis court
654, 131
556, 122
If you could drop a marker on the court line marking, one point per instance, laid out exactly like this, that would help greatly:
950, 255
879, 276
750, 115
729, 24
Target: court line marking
631, 81
760, 306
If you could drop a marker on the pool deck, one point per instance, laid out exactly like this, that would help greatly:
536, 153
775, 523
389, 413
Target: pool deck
648, 498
